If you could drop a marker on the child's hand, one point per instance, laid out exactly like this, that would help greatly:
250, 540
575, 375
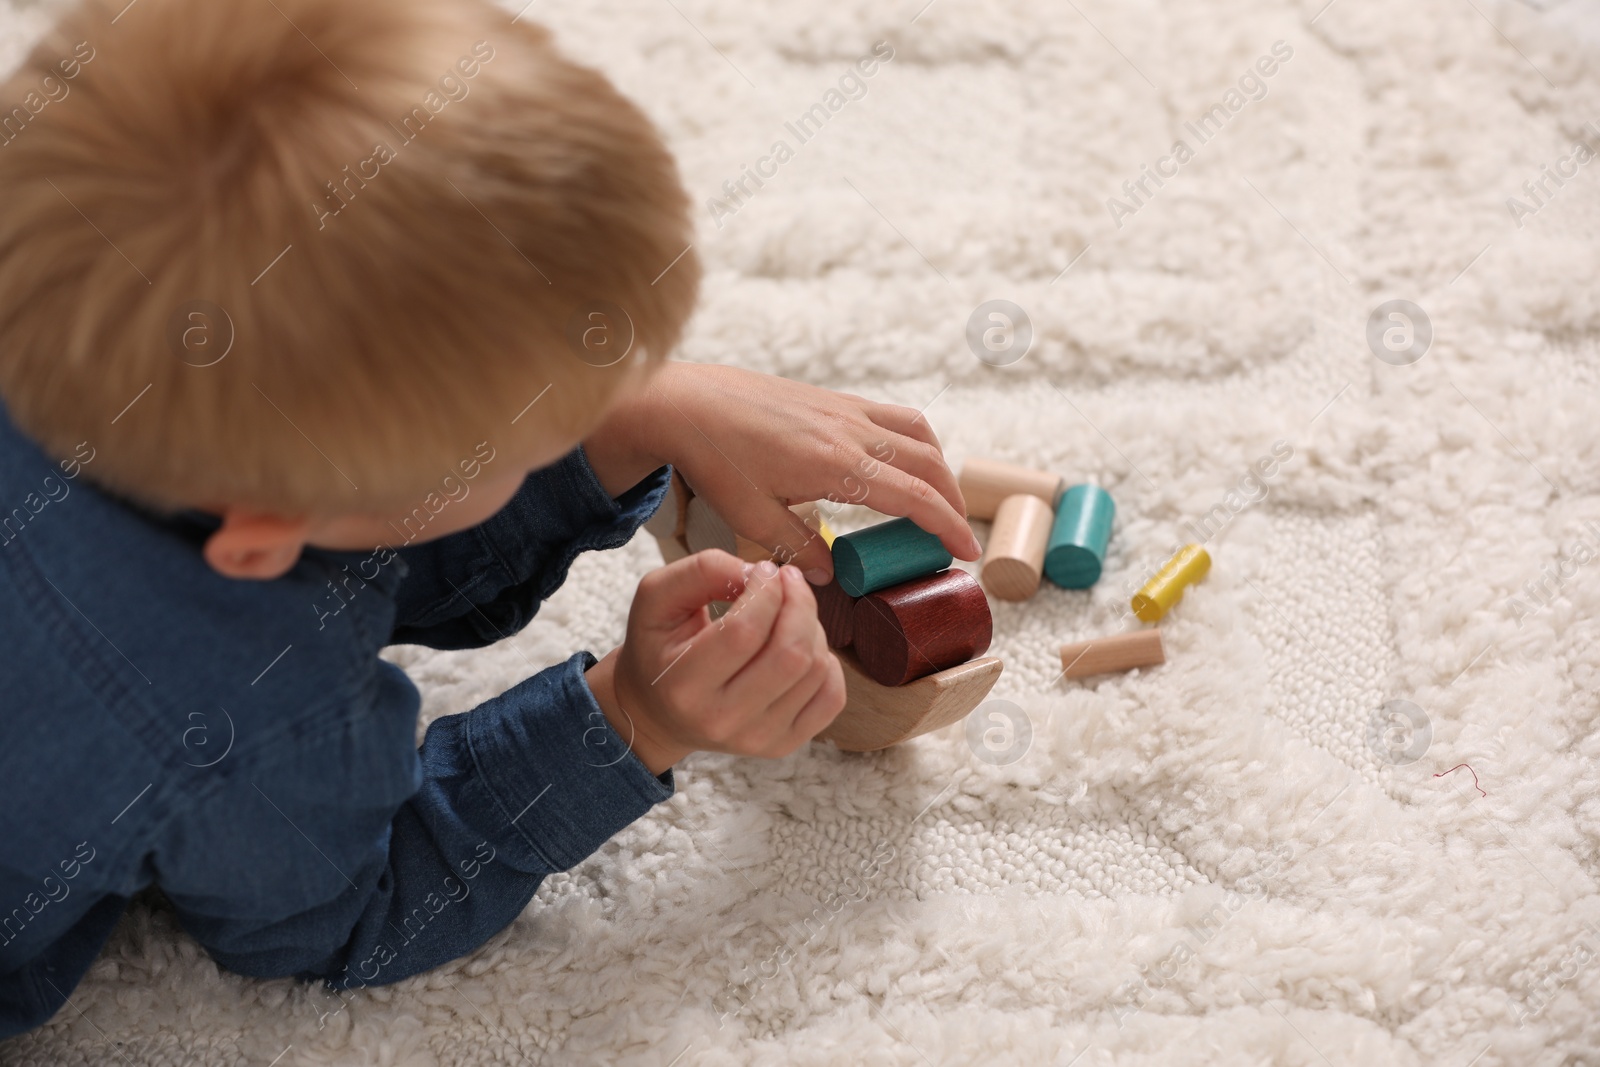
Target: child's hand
751, 444
759, 681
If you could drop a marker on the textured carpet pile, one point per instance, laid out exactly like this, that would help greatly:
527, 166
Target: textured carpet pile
1240, 857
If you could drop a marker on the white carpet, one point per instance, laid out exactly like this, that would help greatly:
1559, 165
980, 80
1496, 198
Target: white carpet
1203, 864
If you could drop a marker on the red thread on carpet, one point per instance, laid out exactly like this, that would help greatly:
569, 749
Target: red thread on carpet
1470, 771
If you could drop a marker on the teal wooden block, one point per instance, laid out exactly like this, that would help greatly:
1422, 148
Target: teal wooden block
884, 555
1077, 548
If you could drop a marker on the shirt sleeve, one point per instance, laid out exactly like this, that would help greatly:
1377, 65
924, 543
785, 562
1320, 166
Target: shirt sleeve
333, 875
475, 587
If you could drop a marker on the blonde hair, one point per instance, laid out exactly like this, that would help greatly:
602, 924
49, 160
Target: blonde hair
303, 256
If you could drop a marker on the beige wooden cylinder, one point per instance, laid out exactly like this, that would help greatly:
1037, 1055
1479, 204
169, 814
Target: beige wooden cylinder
704, 528
668, 520
1014, 559
985, 483
672, 549
1119, 652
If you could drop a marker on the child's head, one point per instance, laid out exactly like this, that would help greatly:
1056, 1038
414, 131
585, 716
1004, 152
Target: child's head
302, 258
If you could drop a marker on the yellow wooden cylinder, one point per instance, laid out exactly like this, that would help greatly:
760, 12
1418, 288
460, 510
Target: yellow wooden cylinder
1164, 590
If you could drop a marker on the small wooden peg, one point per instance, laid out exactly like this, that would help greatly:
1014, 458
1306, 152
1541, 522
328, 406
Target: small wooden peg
985, 483
1160, 593
1014, 559
1119, 652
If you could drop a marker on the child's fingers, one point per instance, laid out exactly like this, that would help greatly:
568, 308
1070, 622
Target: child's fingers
808, 707
823, 707
894, 492
773, 737
775, 527
922, 460
815, 559
903, 420
743, 632
788, 653
671, 595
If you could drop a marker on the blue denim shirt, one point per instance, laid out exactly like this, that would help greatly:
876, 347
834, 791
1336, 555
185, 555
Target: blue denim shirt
242, 746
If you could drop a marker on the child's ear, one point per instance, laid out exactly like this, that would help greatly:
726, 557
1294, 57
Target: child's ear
257, 546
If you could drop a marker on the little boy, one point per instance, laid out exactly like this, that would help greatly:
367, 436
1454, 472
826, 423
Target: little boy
330, 324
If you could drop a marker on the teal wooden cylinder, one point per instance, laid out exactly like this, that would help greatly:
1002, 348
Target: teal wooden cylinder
1077, 548
884, 555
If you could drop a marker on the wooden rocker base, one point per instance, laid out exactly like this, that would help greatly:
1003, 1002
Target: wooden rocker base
874, 716
879, 716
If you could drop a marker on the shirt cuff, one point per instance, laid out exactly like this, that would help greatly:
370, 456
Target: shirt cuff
586, 518
562, 780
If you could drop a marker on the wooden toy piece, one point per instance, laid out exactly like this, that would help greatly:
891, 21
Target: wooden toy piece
876, 716
883, 555
793, 541
1079, 537
666, 525
836, 611
1164, 590
811, 515
1014, 558
918, 627
700, 528
672, 549
667, 522
985, 484
1120, 652
704, 528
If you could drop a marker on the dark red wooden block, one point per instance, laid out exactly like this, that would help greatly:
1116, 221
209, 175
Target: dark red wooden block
918, 627
835, 609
